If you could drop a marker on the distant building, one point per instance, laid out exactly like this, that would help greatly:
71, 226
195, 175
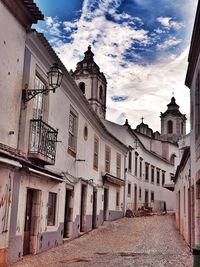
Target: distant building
173, 123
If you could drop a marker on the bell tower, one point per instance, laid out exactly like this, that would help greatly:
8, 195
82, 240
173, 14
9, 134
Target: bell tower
173, 123
92, 83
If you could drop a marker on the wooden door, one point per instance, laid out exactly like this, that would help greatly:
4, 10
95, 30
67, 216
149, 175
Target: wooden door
83, 208
146, 198
135, 198
27, 225
67, 218
94, 210
105, 204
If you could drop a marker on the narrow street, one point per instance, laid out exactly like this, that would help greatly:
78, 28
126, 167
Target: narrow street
139, 242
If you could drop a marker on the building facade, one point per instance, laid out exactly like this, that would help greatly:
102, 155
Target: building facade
192, 184
62, 172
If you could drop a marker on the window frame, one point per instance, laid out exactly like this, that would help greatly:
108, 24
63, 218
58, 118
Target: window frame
72, 135
146, 172
157, 176
51, 213
107, 158
117, 198
129, 189
96, 153
118, 165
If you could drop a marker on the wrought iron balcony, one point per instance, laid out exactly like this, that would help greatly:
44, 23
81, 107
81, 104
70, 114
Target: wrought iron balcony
43, 140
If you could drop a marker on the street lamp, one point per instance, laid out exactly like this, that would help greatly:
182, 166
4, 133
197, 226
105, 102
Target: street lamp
54, 80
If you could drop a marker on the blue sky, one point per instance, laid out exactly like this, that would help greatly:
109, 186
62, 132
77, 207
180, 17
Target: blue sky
140, 45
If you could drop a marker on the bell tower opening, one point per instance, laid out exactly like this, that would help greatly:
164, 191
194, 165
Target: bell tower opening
173, 123
92, 82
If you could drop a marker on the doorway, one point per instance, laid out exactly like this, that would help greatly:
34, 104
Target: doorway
83, 208
146, 200
135, 198
179, 210
192, 218
105, 204
68, 213
94, 210
31, 224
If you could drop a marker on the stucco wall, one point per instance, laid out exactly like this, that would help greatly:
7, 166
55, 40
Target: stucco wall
12, 47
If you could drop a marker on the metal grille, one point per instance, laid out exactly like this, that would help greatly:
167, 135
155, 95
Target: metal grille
43, 139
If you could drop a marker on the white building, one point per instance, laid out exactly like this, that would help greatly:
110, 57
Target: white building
16, 18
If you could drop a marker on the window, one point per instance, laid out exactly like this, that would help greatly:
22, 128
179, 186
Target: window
163, 178
85, 132
146, 171
107, 158
117, 198
39, 100
100, 92
152, 196
130, 161
141, 167
172, 159
152, 174
40, 108
82, 87
51, 217
170, 127
96, 153
158, 176
129, 189
140, 193
118, 165
182, 128
72, 142
136, 163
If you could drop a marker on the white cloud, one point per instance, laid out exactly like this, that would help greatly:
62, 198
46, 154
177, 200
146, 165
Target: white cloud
169, 23
169, 43
148, 87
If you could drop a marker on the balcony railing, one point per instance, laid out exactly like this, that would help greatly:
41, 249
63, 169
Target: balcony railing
43, 140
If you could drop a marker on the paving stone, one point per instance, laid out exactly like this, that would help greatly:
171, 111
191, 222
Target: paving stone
139, 242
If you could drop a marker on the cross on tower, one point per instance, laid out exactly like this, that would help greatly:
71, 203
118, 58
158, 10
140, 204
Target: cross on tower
142, 119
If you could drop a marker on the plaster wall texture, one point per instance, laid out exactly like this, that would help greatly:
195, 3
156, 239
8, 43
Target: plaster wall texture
6, 187
195, 150
45, 185
182, 206
12, 48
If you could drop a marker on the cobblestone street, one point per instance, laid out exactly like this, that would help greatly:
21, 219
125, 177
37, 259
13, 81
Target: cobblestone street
139, 242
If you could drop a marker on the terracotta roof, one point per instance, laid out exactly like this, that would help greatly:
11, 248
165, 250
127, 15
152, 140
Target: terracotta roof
194, 49
34, 10
25, 11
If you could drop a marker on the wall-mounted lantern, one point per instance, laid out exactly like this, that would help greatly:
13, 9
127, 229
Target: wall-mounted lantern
54, 80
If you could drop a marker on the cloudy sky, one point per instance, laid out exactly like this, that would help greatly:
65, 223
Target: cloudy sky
140, 45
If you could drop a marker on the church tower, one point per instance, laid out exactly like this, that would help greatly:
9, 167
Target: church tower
173, 123
92, 83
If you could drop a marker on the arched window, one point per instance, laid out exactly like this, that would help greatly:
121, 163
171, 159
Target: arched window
182, 128
170, 127
82, 87
100, 92
172, 159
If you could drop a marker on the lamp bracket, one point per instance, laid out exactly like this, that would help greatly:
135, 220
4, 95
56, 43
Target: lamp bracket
28, 94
